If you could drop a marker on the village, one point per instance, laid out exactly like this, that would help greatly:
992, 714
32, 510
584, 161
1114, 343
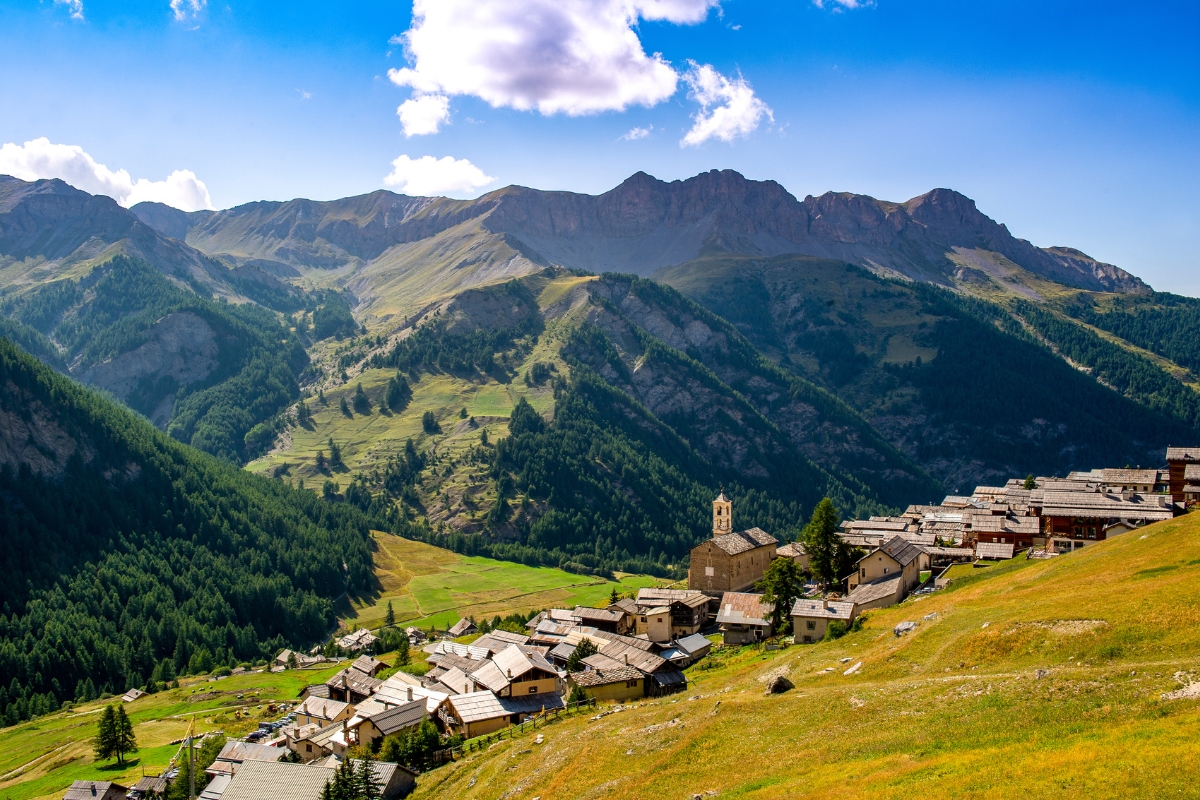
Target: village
482, 684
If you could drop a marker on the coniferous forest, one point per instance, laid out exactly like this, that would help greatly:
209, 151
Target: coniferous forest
132, 558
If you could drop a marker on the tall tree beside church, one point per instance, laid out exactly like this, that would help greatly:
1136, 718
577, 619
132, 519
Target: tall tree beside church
822, 544
125, 741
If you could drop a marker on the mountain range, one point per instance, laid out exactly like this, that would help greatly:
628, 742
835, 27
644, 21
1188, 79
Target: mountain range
878, 352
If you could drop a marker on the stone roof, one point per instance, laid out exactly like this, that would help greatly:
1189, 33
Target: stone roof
874, 590
1103, 504
997, 550
809, 608
477, 707
597, 614
605, 677
91, 790
400, 717
1125, 476
1183, 454
790, 550
744, 541
261, 780
495, 641
322, 708
1191, 472
461, 628
901, 551
367, 665
739, 608
237, 752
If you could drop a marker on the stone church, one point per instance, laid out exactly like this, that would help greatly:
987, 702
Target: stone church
730, 561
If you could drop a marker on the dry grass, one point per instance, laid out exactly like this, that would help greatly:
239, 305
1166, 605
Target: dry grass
1030, 679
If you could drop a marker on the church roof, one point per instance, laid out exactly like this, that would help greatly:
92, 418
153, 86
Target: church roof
740, 542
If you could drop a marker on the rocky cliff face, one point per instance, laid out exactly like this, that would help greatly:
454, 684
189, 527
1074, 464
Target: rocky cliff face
640, 226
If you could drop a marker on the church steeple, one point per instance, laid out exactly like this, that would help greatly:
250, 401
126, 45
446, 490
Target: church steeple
722, 515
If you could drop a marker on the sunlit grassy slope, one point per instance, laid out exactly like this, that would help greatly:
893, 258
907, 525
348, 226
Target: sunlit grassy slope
956, 709
427, 585
40, 758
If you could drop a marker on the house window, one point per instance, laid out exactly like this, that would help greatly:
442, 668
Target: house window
864, 572
808, 640
308, 748
643, 619
533, 690
631, 684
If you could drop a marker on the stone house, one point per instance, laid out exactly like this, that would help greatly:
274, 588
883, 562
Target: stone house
745, 618
811, 617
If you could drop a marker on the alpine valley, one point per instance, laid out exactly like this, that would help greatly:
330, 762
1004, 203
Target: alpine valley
565, 379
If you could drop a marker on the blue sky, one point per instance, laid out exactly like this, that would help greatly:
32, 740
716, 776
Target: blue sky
1073, 123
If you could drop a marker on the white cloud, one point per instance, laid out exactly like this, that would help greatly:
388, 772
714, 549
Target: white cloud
74, 7
187, 9
838, 5
728, 108
555, 56
424, 114
427, 176
42, 159
637, 133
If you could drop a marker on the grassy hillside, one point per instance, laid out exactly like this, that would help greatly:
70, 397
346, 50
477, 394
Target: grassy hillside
39, 759
1036, 679
427, 585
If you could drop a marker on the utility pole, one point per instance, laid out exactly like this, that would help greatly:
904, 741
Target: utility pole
192, 760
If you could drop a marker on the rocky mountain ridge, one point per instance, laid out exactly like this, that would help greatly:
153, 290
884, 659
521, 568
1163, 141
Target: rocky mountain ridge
641, 225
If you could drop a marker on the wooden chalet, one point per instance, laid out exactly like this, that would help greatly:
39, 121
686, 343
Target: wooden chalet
1178, 460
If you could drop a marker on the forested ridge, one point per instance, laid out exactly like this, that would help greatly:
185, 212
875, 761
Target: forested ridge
137, 556
114, 309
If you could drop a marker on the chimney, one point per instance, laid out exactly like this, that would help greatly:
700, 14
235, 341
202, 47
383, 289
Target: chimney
93, 785
627, 659
409, 693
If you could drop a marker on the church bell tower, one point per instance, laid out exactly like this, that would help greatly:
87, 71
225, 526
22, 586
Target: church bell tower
722, 516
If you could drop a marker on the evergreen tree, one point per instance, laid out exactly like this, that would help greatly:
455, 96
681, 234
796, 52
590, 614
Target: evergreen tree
429, 422
125, 741
1030, 482
368, 783
402, 655
398, 393
584, 649
822, 544
578, 695
483, 437
362, 403
463, 414
335, 453
105, 743
781, 584
389, 618
613, 596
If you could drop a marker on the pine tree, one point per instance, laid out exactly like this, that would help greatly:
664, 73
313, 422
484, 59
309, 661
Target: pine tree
402, 656
105, 743
821, 542
126, 742
1030, 482
389, 619
335, 453
362, 403
584, 649
368, 783
782, 585
613, 596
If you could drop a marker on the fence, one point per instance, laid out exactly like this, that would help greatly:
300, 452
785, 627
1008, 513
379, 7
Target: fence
533, 723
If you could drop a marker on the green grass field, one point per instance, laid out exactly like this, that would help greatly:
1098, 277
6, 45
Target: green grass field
40, 758
956, 709
431, 586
